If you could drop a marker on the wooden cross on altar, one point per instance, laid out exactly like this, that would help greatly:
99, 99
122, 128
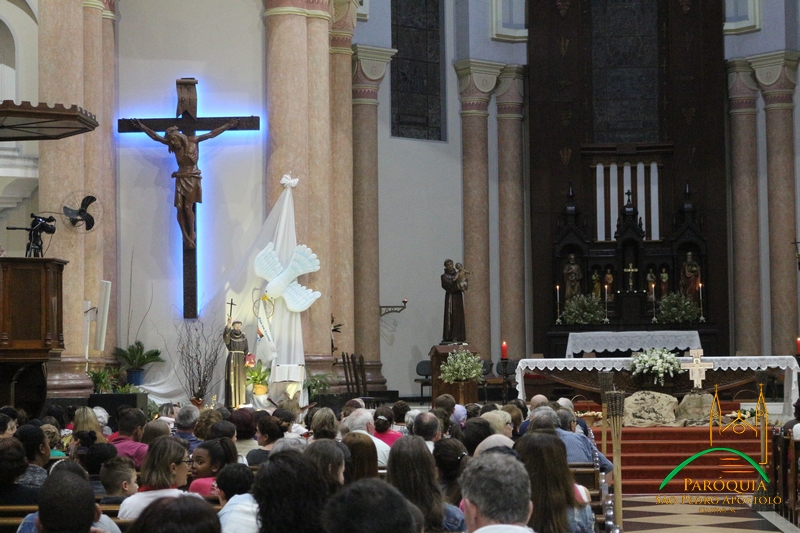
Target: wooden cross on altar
697, 370
630, 270
181, 139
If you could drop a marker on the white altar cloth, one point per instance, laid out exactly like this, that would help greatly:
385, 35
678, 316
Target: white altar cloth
787, 363
611, 341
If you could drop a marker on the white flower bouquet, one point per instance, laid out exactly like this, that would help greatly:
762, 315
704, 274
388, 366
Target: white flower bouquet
656, 362
461, 365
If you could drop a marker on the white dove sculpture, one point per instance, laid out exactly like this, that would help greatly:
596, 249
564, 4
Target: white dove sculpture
282, 282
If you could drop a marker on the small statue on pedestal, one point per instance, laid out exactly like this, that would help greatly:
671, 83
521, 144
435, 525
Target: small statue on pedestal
235, 375
453, 330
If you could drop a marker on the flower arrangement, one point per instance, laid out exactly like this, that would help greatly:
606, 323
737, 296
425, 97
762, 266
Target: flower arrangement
675, 308
461, 365
583, 309
656, 362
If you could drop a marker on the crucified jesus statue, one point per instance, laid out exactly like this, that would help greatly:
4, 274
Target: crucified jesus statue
188, 190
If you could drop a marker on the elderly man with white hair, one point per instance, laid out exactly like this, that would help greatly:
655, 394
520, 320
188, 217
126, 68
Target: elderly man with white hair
361, 421
566, 403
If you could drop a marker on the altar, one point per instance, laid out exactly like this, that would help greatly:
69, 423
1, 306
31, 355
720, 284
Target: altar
728, 372
623, 341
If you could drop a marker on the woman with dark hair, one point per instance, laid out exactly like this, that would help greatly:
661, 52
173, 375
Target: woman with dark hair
384, 420
221, 429
12, 465
329, 460
269, 431
290, 493
412, 471
208, 459
182, 514
287, 419
363, 455
164, 469
473, 433
560, 505
399, 410
450, 456
245, 431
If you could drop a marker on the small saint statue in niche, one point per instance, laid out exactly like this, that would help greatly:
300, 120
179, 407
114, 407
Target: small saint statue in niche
609, 280
690, 278
651, 285
664, 278
453, 329
572, 278
596, 284
235, 376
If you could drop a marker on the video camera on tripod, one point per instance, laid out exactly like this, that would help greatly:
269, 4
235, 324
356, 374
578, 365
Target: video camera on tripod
38, 225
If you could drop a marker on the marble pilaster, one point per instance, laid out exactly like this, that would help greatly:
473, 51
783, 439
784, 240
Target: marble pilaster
509, 98
776, 75
369, 68
476, 82
742, 94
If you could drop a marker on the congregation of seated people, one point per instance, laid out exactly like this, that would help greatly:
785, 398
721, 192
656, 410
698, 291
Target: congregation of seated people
393, 469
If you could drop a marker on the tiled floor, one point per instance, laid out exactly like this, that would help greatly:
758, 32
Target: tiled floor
642, 513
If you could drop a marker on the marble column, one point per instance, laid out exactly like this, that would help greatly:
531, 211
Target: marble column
109, 172
316, 321
742, 94
776, 76
476, 82
369, 68
61, 171
511, 193
341, 235
93, 145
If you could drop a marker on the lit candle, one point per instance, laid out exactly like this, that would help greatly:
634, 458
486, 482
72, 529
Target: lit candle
606, 286
557, 295
504, 350
798, 345
653, 289
701, 291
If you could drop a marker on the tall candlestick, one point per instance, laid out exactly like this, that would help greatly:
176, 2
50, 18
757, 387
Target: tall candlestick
504, 350
701, 291
606, 292
557, 295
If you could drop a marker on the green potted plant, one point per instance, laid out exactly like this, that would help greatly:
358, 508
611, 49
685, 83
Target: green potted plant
583, 309
134, 358
318, 384
258, 377
103, 380
460, 375
675, 308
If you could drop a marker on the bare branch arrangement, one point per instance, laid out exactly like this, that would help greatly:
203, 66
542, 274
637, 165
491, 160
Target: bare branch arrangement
200, 349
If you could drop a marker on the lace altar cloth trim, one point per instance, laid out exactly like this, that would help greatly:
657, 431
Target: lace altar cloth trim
611, 341
787, 363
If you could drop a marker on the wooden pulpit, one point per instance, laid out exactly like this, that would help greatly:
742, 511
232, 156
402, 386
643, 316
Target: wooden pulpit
31, 328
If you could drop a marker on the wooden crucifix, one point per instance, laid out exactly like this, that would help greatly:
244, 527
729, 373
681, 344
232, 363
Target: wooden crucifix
179, 136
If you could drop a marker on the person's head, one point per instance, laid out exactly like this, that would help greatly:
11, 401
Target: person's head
450, 456
7, 427
361, 420
566, 419
169, 409
473, 410
101, 414
353, 510
53, 436
566, 403
383, 419
208, 417
411, 415
97, 454
474, 431
412, 470
12, 461
543, 418
399, 409
515, 413
245, 424
286, 419
796, 415
37, 447
118, 476
184, 514
131, 423
446, 402
187, 418
211, 455
153, 430
444, 420
57, 412
324, 425
500, 422
552, 493
70, 466
459, 415
363, 455
282, 445
10, 412
166, 464
522, 406
329, 460
86, 420
66, 504
496, 490
234, 479
290, 493
269, 430
538, 401
426, 425
220, 429
493, 443
489, 407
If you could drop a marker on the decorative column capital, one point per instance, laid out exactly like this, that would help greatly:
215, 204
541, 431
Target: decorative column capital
94, 4
476, 82
510, 93
344, 24
742, 87
369, 68
776, 74
304, 8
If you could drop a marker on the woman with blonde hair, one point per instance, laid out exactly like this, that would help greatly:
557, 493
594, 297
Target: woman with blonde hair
165, 468
500, 422
85, 420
